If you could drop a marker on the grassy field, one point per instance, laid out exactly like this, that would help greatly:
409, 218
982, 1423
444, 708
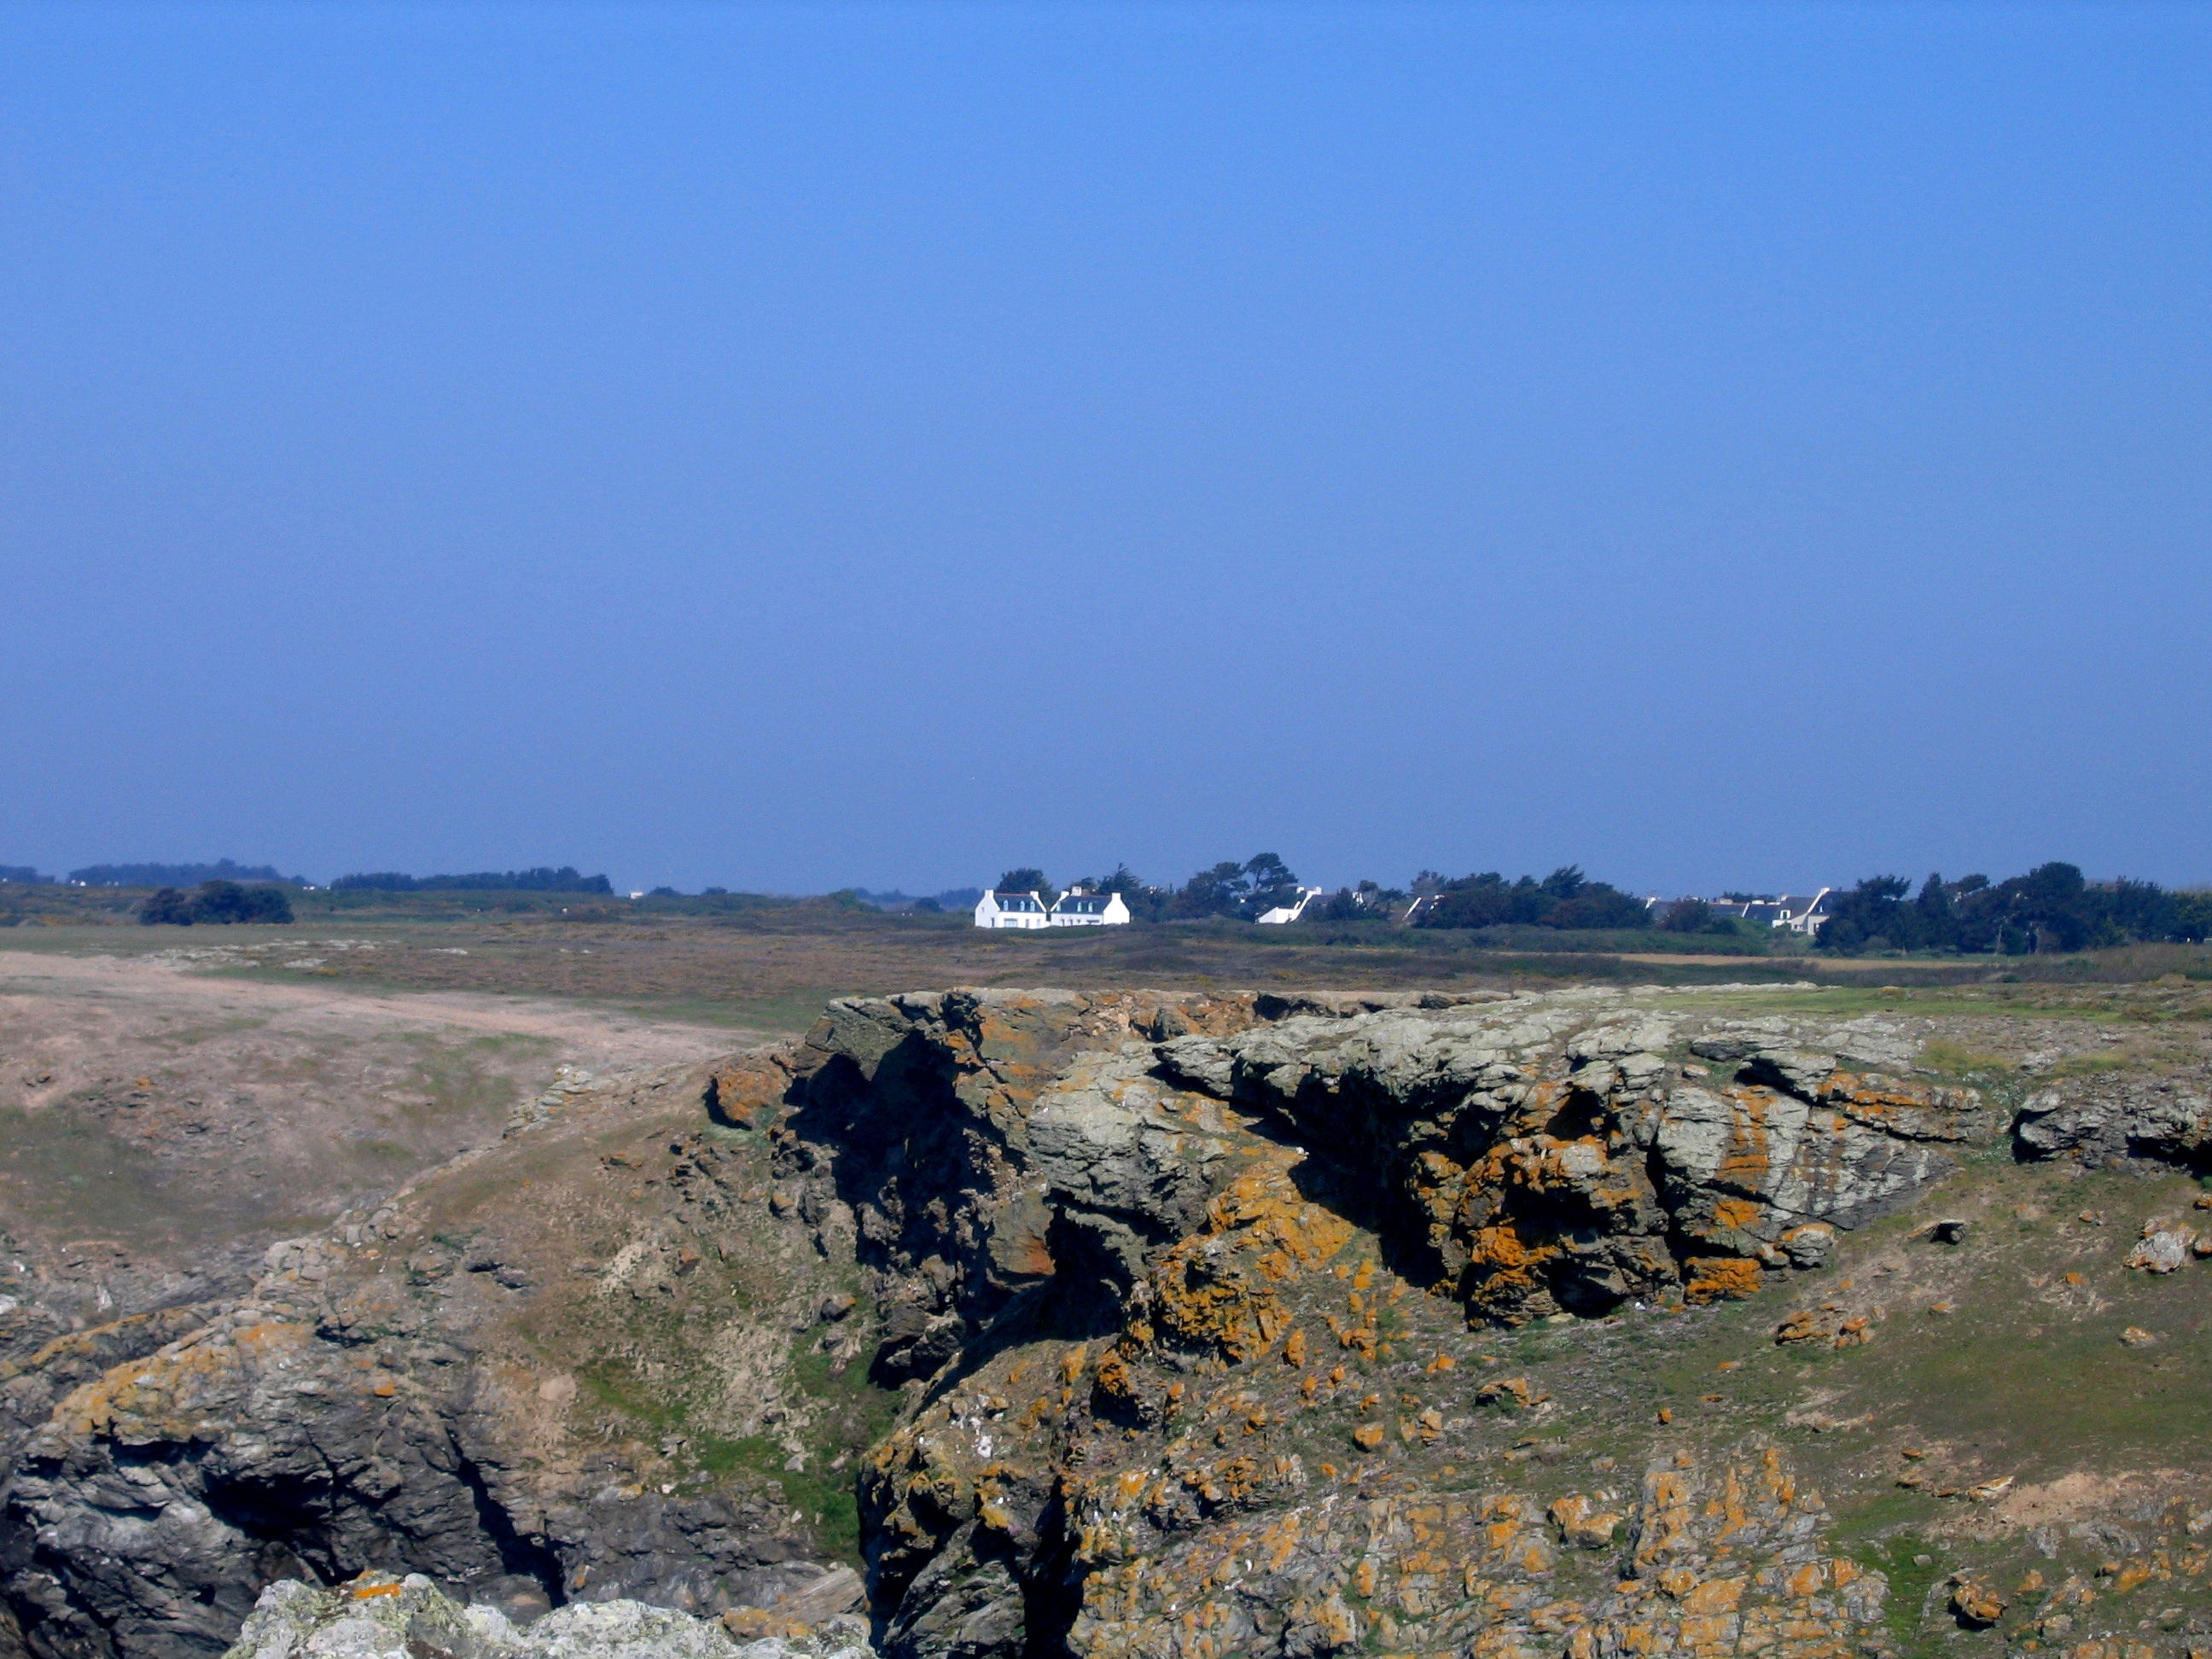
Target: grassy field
769, 965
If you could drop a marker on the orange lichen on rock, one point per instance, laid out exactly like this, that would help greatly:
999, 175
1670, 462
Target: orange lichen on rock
1715, 1279
1216, 1290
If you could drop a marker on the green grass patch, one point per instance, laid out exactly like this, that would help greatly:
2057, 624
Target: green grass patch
1954, 1060
2090, 1065
849, 1414
829, 1499
1914, 1567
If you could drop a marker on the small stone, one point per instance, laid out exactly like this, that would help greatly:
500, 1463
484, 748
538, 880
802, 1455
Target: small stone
1512, 1391
1976, 1605
2136, 1337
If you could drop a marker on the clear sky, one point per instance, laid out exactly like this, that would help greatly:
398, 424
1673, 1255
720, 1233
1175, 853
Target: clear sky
783, 448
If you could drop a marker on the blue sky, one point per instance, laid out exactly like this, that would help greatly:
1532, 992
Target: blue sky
789, 446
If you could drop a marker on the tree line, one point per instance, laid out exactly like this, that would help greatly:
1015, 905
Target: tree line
566, 879
180, 875
2052, 908
1565, 899
1245, 891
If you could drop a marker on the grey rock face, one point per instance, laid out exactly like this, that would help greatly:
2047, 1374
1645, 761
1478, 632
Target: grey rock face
2105, 1121
1547, 1154
357, 1412
377, 1617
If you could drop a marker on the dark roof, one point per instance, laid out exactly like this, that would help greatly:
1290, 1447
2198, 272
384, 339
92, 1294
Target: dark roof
1016, 901
1087, 904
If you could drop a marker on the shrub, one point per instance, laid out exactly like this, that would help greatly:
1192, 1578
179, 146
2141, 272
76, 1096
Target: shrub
216, 902
168, 907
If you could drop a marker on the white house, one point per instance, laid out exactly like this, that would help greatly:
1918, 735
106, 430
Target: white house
1080, 908
1288, 912
996, 909
1801, 914
1792, 913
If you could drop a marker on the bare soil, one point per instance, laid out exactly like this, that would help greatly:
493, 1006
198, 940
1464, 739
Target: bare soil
161, 1123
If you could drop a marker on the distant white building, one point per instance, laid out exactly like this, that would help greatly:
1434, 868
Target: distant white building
1802, 914
996, 909
1792, 913
1080, 908
1288, 912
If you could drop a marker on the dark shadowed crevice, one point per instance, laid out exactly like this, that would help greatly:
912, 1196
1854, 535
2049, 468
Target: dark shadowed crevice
1052, 1588
521, 1556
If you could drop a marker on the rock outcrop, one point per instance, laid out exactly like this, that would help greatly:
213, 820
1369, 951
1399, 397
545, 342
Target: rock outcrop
422, 1390
377, 1616
1125, 1323
1183, 1207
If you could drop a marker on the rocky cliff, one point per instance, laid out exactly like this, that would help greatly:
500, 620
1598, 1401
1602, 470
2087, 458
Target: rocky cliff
1585, 1322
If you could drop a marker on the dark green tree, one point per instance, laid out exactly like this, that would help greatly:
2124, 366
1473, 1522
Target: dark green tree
217, 902
1566, 898
1564, 883
167, 908
1870, 912
1145, 903
1267, 883
1214, 892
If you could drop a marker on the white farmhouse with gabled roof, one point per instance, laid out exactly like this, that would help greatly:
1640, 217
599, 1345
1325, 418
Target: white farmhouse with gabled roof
997, 910
1079, 907
1284, 913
